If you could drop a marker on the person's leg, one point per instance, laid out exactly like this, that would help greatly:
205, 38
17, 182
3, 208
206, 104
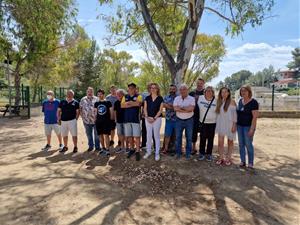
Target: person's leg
242, 144
249, 146
210, 138
57, 131
156, 132
230, 149
189, 136
195, 134
179, 130
136, 133
202, 141
89, 134
101, 137
144, 133
167, 135
107, 140
64, 132
149, 130
73, 131
220, 149
96, 138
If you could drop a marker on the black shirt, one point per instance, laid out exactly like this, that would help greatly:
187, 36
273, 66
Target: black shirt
119, 112
196, 94
153, 106
244, 112
103, 110
68, 109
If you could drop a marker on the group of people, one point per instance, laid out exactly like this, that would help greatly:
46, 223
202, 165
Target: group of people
198, 114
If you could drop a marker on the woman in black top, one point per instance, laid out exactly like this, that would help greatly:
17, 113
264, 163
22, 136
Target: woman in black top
153, 107
247, 113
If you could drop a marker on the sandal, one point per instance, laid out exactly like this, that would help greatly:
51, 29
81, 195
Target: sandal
228, 162
164, 152
242, 165
220, 162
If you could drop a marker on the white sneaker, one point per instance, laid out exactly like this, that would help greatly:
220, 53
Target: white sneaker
146, 156
61, 146
157, 157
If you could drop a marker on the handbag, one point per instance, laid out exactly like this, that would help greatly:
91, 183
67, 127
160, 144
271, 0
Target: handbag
201, 124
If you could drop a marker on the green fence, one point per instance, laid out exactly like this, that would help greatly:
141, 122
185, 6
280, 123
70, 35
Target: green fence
59, 93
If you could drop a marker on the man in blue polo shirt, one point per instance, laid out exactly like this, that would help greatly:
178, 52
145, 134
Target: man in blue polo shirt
49, 108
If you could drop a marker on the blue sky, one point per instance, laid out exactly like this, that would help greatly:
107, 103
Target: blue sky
255, 49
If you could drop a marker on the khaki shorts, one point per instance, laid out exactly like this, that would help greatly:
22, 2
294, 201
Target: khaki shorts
69, 126
50, 127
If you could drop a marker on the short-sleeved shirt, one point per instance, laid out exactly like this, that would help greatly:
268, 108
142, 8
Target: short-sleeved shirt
184, 102
87, 109
49, 108
244, 112
119, 112
170, 113
132, 114
112, 99
211, 116
68, 109
196, 94
153, 106
103, 110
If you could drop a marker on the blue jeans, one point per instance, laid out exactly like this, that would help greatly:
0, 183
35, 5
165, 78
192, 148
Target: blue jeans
89, 130
245, 142
186, 125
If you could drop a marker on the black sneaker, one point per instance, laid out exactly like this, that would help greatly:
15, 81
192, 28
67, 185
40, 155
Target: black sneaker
64, 149
111, 143
102, 151
137, 156
130, 153
90, 149
75, 150
98, 149
46, 148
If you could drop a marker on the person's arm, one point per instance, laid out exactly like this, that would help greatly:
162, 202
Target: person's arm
58, 115
158, 114
111, 113
234, 116
176, 107
137, 103
189, 108
124, 104
253, 122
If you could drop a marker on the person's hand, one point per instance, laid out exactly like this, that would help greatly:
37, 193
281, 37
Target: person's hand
233, 128
59, 122
251, 132
150, 119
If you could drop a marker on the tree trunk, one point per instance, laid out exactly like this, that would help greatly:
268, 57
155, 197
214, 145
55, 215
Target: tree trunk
17, 84
178, 68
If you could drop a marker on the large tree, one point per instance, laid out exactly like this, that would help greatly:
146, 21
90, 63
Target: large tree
30, 29
139, 16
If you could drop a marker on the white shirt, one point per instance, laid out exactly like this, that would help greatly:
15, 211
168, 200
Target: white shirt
203, 104
186, 102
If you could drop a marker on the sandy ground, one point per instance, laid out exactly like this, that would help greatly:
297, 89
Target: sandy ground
50, 188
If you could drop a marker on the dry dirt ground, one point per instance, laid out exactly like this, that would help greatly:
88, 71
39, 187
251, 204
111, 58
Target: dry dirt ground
50, 188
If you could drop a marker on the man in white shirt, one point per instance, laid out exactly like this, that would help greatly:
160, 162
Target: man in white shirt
184, 107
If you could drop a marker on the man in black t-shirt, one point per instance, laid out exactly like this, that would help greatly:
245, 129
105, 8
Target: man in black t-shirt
196, 93
119, 117
67, 115
104, 113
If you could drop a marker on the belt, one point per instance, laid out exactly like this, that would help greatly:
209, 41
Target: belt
184, 119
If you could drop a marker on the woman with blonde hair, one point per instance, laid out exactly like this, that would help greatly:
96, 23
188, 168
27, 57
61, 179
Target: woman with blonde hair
153, 106
207, 107
226, 125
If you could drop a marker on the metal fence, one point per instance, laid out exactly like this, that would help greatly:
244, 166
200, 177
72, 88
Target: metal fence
9, 106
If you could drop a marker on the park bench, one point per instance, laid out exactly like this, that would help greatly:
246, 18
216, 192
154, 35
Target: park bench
14, 109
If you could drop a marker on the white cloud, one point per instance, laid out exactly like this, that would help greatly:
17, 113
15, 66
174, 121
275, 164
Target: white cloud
87, 21
296, 40
253, 57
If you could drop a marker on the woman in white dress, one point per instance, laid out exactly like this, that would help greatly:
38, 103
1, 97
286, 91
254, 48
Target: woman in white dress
226, 125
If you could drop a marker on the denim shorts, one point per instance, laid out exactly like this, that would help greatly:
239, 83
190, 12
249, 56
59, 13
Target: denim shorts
132, 129
121, 129
170, 128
